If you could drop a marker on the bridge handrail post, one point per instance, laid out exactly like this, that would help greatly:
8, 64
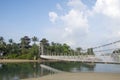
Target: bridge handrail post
56, 53
73, 54
50, 53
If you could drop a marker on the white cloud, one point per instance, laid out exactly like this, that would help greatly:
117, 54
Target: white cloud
74, 23
74, 19
53, 16
105, 21
76, 4
77, 27
110, 8
59, 7
109, 11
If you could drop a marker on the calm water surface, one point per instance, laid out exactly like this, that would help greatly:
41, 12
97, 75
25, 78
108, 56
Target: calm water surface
17, 71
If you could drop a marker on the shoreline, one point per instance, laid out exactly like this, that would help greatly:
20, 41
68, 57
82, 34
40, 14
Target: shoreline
43, 60
22, 60
80, 76
16, 60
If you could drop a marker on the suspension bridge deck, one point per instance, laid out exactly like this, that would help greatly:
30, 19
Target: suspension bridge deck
88, 58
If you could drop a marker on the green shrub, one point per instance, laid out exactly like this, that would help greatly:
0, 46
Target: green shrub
12, 56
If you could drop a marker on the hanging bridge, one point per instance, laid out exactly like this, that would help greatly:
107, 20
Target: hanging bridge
112, 57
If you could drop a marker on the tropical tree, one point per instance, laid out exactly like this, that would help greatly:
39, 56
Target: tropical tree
2, 44
34, 51
34, 39
25, 41
10, 41
58, 48
1, 39
10, 46
90, 51
44, 41
35, 48
66, 48
78, 50
45, 45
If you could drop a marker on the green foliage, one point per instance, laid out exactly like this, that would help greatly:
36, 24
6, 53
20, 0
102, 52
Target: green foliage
57, 48
2, 44
24, 50
25, 56
90, 51
12, 56
10, 41
34, 39
25, 41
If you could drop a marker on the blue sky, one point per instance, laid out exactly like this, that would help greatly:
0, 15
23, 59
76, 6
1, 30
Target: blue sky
24, 17
84, 23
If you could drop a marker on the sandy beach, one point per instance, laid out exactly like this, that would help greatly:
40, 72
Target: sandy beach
80, 76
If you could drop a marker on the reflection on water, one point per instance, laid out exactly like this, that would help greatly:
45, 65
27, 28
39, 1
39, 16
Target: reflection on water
72, 66
17, 71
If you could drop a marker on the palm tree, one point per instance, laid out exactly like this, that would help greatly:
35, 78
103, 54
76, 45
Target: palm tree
78, 50
10, 41
22, 42
45, 44
90, 51
2, 44
34, 39
44, 41
1, 40
10, 46
66, 48
25, 42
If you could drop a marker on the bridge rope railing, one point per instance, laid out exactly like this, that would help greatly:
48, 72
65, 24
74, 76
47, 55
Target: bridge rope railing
75, 55
112, 43
98, 49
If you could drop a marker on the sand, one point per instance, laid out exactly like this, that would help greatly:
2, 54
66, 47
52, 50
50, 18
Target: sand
80, 76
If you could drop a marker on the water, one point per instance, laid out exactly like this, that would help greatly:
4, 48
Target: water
17, 71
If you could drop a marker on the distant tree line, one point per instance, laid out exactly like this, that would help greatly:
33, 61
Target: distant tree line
58, 48
25, 50
22, 50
